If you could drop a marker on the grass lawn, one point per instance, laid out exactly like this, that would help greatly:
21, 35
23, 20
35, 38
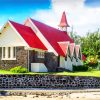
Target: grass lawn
94, 73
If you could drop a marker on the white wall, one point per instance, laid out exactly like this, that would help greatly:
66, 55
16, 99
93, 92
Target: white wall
66, 64
78, 62
38, 67
62, 62
74, 62
10, 38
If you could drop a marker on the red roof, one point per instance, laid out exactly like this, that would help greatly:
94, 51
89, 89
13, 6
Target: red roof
53, 35
28, 35
64, 47
83, 57
63, 22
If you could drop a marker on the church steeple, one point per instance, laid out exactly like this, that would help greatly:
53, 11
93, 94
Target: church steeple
63, 23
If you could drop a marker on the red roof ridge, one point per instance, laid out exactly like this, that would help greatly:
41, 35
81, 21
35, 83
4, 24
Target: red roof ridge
47, 25
12, 22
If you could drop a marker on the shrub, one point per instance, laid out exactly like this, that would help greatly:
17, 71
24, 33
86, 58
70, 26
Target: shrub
80, 68
99, 54
90, 69
92, 61
19, 69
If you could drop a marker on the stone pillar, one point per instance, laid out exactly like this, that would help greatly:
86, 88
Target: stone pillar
51, 62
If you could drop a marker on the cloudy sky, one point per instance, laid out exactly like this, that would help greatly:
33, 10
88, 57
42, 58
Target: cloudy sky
82, 15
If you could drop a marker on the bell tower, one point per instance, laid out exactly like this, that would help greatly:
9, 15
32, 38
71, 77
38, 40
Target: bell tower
63, 23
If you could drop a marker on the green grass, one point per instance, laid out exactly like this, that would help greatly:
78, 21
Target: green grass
90, 73
94, 73
5, 72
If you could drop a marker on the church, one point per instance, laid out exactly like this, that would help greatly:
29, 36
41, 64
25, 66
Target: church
38, 47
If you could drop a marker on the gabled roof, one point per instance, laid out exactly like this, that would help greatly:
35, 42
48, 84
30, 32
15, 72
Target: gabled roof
63, 22
72, 47
53, 35
28, 35
64, 47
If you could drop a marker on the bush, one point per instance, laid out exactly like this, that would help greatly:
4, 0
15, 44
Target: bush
99, 54
19, 69
90, 69
92, 61
80, 68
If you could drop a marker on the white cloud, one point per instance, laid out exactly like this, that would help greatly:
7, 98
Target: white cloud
82, 18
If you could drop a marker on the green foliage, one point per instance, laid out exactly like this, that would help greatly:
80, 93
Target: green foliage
19, 69
90, 68
99, 54
75, 37
92, 61
80, 68
91, 43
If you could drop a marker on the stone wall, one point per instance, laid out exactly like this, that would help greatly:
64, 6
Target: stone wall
48, 81
21, 59
51, 62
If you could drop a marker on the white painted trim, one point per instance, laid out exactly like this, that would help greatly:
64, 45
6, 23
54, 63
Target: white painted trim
3, 26
8, 59
28, 59
42, 38
18, 34
6, 54
64, 42
30, 48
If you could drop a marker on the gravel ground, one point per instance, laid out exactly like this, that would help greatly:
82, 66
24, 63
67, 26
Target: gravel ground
52, 95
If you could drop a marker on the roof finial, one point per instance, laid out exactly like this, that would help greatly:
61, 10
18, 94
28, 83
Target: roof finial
63, 22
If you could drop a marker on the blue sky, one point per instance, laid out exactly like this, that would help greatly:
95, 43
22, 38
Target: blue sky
92, 3
19, 10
